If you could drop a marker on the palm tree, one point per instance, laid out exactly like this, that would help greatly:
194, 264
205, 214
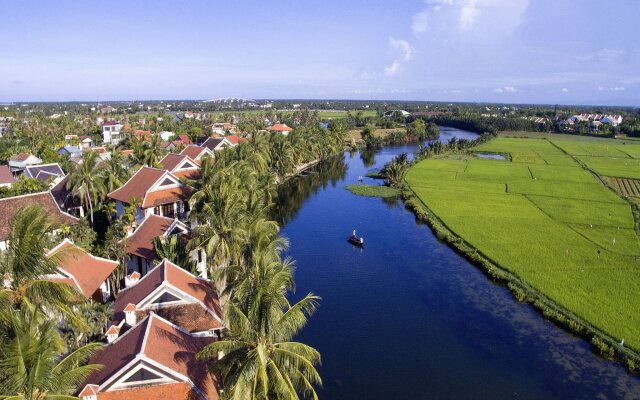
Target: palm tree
172, 248
85, 183
114, 172
33, 364
153, 152
24, 264
256, 357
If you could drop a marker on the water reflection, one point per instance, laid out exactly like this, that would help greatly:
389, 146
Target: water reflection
293, 193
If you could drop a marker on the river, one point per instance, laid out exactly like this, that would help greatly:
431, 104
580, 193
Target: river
408, 318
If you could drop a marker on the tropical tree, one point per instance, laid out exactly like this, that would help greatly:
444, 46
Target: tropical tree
256, 356
34, 363
153, 152
113, 171
85, 183
173, 249
24, 264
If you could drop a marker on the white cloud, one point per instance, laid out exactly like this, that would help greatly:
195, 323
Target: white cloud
565, 90
392, 69
440, 16
506, 89
618, 88
407, 51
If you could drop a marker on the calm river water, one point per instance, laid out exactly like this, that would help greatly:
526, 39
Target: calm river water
407, 318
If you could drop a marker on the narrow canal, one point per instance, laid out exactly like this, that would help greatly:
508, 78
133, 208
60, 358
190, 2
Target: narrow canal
407, 318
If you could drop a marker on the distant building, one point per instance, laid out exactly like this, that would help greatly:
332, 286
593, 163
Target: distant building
112, 132
86, 142
20, 161
281, 128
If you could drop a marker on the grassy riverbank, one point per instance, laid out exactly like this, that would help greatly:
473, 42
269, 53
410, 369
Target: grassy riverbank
373, 190
556, 230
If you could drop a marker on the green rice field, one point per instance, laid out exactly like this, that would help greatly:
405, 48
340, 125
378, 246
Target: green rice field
548, 220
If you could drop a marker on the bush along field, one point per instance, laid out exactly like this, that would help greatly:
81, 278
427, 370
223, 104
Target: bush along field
546, 224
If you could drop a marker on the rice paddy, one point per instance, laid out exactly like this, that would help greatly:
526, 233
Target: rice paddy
548, 220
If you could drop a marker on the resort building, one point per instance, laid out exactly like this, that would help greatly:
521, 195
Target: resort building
87, 273
156, 191
20, 161
174, 294
155, 359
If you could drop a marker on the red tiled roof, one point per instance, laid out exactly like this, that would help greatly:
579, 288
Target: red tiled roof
138, 185
20, 157
5, 175
9, 208
192, 151
190, 318
171, 161
99, 150
236, 139
89, 390
130, 307
166, 196
110, 123
163, 343
280, 128
141, 242
87, 271
185, 139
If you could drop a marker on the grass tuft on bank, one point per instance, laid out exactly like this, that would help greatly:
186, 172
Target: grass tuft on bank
373, 190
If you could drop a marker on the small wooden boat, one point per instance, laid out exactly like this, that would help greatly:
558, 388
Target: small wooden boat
355, 240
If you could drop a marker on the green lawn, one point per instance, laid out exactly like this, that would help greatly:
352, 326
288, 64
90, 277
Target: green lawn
551, 223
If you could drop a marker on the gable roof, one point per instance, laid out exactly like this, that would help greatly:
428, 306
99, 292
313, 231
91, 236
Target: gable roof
44, 171
235, 139
214, 143
172, 162
155, 341
87, 271
10, 206
194, 152
21, 157
5, 175
141, 242
141, 182
168, 274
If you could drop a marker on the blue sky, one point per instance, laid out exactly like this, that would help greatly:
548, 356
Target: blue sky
532, 51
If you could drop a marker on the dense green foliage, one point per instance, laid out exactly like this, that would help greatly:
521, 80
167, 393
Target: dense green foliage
546, 220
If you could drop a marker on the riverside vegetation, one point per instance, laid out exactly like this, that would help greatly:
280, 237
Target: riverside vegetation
545, 224
232, 202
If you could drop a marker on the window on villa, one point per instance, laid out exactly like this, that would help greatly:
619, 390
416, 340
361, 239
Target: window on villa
156, 210
167, 210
